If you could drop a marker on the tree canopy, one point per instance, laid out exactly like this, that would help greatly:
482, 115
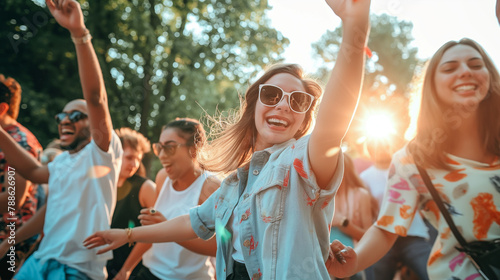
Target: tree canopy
160, 59
388, 73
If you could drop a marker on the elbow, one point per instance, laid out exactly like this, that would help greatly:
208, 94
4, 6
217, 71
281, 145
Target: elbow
97, 97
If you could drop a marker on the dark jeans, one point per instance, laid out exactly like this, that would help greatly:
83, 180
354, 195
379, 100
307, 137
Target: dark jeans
239, 272
144, 274
411, 251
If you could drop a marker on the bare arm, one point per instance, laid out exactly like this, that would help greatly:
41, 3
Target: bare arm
147, 194
69, 15
373, 246
498, 11
342, 90
30, 228
15, 187
175, 230
22, 161
200, 246
132, 261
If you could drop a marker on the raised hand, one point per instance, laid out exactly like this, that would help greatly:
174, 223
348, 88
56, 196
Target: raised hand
149, 216
68, 14
342, 260
350, 9
114, 237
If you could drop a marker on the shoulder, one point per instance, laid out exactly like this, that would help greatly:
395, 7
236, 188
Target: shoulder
211, 184
147, 193
161, 176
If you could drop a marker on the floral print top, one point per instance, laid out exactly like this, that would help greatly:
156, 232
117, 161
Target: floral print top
470, 192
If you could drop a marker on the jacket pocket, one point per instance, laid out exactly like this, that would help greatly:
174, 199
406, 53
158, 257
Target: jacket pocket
271, 198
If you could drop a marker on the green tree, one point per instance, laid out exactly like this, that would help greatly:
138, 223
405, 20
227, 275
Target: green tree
388, 73
161, 59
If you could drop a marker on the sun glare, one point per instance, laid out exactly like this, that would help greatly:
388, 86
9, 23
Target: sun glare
378, 125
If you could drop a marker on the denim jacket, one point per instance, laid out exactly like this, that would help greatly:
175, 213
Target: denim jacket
284, 216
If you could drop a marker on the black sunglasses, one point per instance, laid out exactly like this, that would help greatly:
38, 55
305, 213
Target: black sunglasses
73, 116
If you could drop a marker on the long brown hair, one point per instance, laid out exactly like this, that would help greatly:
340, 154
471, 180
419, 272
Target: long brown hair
234, 135
435, 122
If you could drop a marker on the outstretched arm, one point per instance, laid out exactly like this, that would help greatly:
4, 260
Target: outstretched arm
373, 246
69, 15
175, 230
342, 90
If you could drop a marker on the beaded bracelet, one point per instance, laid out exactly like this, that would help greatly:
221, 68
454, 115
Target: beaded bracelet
129, 235
82, 40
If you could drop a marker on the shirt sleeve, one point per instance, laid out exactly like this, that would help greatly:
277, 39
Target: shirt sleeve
400, 201
203, 217
302, 170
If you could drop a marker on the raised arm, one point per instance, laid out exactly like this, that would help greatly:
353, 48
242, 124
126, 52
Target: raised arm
342, 90
498, 11
21, 161
69, 15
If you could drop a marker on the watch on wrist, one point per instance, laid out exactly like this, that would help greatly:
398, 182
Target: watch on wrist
345, 222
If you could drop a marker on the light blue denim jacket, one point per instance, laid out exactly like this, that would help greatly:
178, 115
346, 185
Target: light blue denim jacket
284, 216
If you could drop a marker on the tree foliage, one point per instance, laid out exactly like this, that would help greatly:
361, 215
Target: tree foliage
388, 73
160, 59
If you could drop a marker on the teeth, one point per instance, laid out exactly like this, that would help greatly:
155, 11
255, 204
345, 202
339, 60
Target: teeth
465, 88
277, 121
67, 131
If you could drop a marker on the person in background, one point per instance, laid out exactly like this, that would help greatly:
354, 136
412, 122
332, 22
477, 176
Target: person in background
459, 147
355, 211
82, 180
18, 197
271, 216
182, 184
135, 192
411, 250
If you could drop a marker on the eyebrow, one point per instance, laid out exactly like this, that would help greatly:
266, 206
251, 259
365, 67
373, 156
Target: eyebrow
169, 142
455, 61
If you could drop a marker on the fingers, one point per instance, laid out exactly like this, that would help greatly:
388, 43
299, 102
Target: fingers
51, 5
151, 211
150, 216
105, 249
93, 242
341, 252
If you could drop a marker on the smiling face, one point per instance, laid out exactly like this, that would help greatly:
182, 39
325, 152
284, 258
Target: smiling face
461, 77
74, 136
181, 161
278, 124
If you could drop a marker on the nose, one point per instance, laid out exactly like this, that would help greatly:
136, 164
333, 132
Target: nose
283, 104
65, 120
465, 71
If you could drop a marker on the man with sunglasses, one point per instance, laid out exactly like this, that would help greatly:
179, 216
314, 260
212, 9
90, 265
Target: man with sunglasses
17, 199
82, 180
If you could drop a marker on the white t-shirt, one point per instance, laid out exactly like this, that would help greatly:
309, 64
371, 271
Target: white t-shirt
81, 201
170, 260
376, 180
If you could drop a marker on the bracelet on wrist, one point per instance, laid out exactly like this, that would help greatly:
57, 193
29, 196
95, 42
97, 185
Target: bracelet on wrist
129, 237
82, 40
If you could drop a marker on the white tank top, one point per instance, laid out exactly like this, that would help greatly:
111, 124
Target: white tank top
170, 260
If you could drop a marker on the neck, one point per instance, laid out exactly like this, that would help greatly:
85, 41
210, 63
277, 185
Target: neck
79, 147
187, 179
466, 142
